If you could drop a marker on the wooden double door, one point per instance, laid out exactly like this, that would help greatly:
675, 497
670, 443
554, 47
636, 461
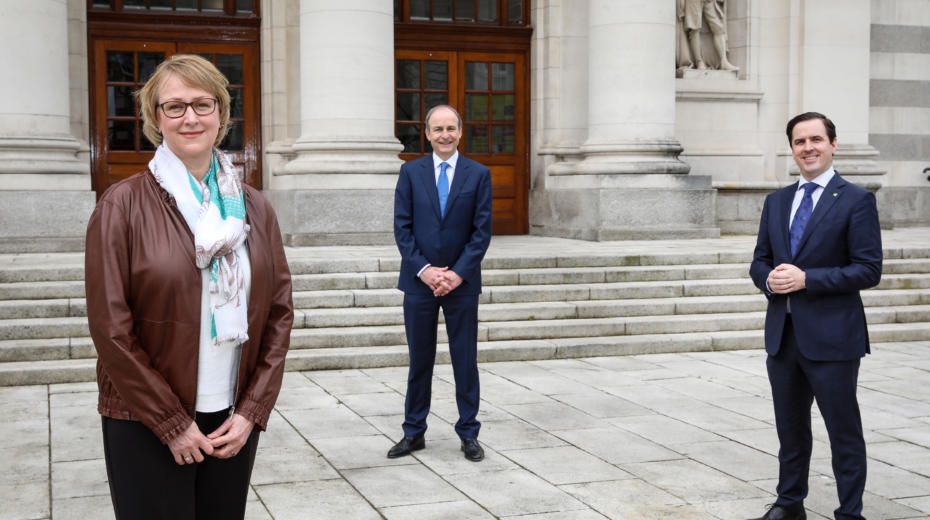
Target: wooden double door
120, 67
490, 91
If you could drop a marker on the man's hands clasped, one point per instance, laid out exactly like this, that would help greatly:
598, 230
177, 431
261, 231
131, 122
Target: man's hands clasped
440, 280
786, 278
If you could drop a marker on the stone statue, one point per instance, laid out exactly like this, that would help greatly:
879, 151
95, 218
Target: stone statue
692, 15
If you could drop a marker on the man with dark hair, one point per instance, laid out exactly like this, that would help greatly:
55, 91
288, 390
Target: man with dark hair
442, 225
819, 244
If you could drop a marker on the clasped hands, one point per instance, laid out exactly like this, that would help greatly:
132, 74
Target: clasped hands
223, 443
440, 280
786, 278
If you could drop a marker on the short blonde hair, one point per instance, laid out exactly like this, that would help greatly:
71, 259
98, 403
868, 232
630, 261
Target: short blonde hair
194, 71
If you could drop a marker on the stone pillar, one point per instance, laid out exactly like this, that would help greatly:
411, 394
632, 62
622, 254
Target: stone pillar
630, 183
339, 187
39, 164
834, 60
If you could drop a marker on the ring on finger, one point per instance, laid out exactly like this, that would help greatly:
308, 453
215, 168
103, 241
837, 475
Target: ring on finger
188, 460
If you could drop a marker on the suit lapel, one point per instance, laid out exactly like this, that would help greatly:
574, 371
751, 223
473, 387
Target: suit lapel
828, 198
784, 217
428, 178
458, 180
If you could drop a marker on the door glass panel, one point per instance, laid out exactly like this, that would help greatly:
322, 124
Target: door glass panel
211, 5
244, 6
502, 107
101, 3
409, 136
487, 10
186, 5
408, 73
231, 67
233, 140
122, 135
235, 103
476, 107
120, 66
476, 75
502, 139
408, 106
437, 75
431, 100
419, 9
120, 101
147, 63
465, 10
134, 4
442, 10
476, 139
160, 4
502, 76
515, 12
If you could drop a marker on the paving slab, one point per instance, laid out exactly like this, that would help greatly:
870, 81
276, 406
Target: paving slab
320, 500
565, 465
514, 492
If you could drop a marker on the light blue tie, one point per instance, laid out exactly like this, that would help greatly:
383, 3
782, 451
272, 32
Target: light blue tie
443, 188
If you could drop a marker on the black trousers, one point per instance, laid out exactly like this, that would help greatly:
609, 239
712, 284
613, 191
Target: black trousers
796, 382
146, 483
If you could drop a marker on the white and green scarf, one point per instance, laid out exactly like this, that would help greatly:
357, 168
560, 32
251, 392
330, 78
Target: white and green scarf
215, 212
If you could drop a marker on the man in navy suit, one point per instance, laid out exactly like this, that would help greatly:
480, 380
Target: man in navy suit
442, 225
819, 244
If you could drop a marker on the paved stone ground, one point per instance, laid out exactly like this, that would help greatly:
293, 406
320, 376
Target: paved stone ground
684, 436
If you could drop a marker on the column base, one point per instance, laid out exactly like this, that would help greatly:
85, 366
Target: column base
41, 155
344, 156
324, 217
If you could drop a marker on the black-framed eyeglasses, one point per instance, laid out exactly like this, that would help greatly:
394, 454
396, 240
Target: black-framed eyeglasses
201, 106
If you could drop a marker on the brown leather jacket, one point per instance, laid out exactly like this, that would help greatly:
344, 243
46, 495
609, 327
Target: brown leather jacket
143, 305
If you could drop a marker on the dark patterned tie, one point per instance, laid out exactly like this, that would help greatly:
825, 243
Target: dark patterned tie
801, 216
443, 188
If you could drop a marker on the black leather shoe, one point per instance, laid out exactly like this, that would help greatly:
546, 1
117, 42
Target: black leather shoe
784, 513
473, 451
406, 446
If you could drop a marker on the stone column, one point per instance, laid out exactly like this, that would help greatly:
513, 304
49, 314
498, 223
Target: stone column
834, 60
630, 183
338, 188
39, 164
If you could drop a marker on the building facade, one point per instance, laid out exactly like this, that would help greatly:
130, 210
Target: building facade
582, 109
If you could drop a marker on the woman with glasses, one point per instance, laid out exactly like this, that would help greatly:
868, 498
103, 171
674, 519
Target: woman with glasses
189, 305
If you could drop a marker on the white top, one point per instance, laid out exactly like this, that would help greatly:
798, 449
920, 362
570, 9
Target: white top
218, 367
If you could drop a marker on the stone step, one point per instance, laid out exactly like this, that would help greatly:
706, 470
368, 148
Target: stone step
79, 370
40, 328
42, 290
41, 273
15, 309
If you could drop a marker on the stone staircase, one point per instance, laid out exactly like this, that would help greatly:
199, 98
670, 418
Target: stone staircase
536, 305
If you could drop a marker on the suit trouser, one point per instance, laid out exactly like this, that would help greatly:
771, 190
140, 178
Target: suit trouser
147, 484
421, 316
796, 381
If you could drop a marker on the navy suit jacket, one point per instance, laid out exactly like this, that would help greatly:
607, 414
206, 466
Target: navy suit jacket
459, 240
841, 254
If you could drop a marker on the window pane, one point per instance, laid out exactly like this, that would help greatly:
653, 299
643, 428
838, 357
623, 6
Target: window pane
119, 66
419, 9
101, 3
476, 107
409, 136
211, 5
437, 75
408, 106
144, 143
121, 135
502, 107
120, 102
515, 12
147, 63
186, 5
432, 100
233, 140
487, 10
502, 76
502, 139
465, 10
235, 102
442, 10
244, 6
476, 75
133, 4
231, 67
408, 74
160, 4
476, 139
